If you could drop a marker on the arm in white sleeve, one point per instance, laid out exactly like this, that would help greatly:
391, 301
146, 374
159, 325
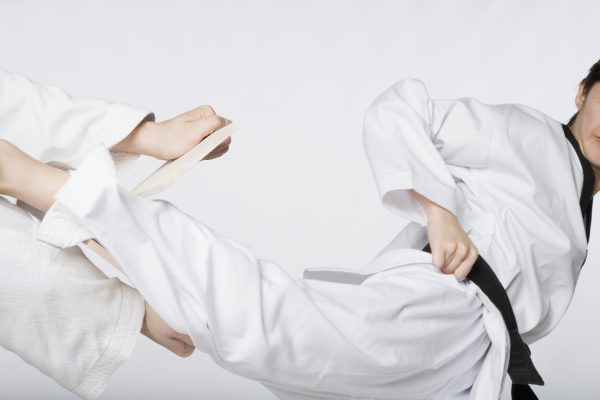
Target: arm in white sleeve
410, 139
54, 127
59, 313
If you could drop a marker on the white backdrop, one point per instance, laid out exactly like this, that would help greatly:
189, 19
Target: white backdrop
297, 77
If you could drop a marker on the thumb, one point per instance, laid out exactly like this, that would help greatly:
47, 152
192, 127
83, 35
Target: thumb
183, 337
180, 347
438, 257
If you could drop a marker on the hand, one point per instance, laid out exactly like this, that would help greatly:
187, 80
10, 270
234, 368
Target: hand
158, 331
170, 139
452, 250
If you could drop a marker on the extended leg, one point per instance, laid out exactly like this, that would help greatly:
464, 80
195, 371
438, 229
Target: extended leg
416, 337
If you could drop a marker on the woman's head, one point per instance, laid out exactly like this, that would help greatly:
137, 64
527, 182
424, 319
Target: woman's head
585, 124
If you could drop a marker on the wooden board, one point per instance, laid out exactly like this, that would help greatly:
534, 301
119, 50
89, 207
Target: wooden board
172, 170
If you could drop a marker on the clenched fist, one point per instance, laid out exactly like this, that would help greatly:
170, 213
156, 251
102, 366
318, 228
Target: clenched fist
451, 249
157, 330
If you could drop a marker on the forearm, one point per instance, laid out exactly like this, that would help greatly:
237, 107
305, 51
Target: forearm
35, 183
432, 210
28, 179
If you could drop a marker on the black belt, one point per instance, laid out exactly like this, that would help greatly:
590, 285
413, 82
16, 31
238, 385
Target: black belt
521, 370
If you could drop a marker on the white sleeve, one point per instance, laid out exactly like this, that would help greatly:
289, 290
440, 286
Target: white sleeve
59, 313
410, 139
54, 127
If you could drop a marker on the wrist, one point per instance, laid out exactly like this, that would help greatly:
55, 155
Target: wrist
436, 212
431, 209
139, 141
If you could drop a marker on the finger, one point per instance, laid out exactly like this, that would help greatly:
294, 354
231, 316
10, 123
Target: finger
212, 123
438, 257
220, 149
217, 154
443, 255
179, 347
182, 344
224, 146
463, 270
204, 127
183, 337
199, 113
458, 255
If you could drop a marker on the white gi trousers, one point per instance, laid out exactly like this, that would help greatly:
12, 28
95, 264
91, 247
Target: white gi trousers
404, 330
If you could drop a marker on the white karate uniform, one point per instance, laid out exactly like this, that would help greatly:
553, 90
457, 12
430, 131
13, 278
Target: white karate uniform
399, 328
57, 311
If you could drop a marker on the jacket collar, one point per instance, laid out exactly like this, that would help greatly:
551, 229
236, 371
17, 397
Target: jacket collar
589, 181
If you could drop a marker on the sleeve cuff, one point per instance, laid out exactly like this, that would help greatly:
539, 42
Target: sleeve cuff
120, 347
58, 227
120, 120
61, 225
395, 196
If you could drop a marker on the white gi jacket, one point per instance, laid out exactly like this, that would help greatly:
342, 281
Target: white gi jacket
508, 173
399, 328
57, 311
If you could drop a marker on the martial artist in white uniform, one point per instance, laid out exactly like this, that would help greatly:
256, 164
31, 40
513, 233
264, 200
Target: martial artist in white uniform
57, 311
399, 328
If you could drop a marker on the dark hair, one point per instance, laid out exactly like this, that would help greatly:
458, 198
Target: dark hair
587, 82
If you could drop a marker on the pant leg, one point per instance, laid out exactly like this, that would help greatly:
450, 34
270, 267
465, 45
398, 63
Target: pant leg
410, 334
58, 312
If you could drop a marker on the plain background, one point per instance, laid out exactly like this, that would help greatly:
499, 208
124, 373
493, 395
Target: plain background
297, 77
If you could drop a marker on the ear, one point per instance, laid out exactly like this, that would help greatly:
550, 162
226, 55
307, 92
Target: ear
580, 99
